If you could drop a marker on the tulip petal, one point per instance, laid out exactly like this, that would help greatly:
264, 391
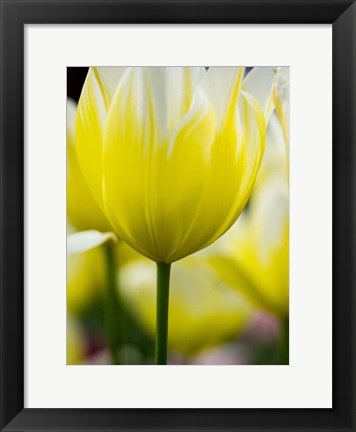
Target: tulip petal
281, 100
85, 240
254, 127
139, 154
232, 174
258, 83
275, 161
191, 143
235, 170
109, 77
82, 209
93, 105
134, 130
71, 116
181, 85
222, 85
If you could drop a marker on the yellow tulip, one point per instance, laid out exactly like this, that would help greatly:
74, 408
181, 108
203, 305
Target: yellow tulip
253, 256
203, 311
179, 157
83, 211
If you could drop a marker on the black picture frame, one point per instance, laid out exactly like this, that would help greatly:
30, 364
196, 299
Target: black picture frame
14, 15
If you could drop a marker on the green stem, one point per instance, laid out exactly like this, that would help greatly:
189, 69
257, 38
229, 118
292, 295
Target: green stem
162, 304
112, 304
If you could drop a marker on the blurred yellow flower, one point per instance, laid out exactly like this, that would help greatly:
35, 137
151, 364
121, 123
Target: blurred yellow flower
255, 252
83, 211
275, 162
86, 278
170, 154
204, 311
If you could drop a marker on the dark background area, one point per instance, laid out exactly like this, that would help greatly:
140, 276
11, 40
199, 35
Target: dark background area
75, 80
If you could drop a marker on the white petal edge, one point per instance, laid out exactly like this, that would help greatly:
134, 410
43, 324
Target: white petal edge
86, 240
111, 76
258, 82
218, 83
71, 117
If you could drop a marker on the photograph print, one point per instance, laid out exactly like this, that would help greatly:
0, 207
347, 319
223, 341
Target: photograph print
177, 215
